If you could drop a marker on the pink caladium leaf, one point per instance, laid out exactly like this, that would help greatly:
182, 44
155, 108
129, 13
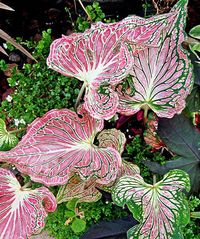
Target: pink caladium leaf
95, 57
59, 143
101, 105
87, 190
98, 55
83, 190
22, 212
161, 208
162, 76
112, 138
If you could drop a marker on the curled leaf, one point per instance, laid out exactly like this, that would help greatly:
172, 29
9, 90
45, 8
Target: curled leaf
112, 138
22, 210
83, 190
101, 105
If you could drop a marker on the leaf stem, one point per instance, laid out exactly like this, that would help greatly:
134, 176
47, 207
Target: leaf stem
145, 118
88, 15
16, 131
80, 96
154, 179
195, 214
27, 185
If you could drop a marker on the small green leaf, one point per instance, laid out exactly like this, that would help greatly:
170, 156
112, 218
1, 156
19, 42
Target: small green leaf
70, 214
195, 32
78, 225
7, 139
71, 205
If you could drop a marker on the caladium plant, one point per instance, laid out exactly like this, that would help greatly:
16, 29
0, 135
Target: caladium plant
21, 209
103, 55
87, 190
60, 143
162, 76
160, 208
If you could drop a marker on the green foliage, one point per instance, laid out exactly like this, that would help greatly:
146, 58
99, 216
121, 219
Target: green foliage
78, 225
38, 89
192, 230
138, 151
90, 213
96, 14
195, 46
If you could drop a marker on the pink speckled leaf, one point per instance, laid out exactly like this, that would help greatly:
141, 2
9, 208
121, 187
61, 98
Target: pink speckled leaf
112, 138
83, 190
60, 143
161, 208
162, 76
22, 212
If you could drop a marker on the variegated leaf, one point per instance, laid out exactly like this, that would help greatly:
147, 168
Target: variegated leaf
87, 190
22, 212
112, 138
95, 57
99, 55
101, 105
161, 208
7, 139
60, 143
162, 76
83, 190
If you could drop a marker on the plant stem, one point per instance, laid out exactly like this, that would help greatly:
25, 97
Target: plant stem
27, 185
195, 214
154, 179
146, 109
88, 15
16, 131
80, 96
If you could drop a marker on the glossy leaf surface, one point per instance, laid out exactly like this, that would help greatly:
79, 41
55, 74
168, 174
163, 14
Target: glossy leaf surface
161, 208
162, 76
7, 139
182, 138
22, 210
60, 143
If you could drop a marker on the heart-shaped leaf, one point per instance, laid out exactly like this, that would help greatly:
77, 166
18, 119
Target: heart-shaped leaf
182, 138
60, 143
7, 139
161, 208
22, 210
101, 55
162, 76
